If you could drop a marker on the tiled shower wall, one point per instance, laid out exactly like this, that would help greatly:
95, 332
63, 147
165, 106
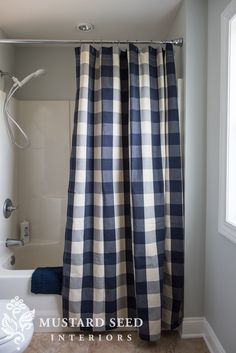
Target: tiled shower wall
8, 178
43, 168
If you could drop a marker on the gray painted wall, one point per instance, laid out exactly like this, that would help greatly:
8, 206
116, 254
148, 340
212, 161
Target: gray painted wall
7, 61
178, 30
59, 82
220, 293
191, 24
195, 155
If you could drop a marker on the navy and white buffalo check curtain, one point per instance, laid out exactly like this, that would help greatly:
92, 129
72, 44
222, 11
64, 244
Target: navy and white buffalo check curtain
124, 237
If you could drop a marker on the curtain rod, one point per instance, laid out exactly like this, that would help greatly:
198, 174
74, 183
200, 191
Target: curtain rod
177, 42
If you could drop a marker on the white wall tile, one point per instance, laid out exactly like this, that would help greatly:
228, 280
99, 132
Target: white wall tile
8, 176
44, 167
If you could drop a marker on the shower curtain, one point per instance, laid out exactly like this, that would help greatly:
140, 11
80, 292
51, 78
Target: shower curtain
123, 253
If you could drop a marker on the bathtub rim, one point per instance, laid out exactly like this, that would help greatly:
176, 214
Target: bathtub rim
8, 272
6, 254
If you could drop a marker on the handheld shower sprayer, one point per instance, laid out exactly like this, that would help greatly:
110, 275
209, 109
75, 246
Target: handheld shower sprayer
35, 74
11, 123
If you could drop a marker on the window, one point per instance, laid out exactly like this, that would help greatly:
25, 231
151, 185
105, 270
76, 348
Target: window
227, 195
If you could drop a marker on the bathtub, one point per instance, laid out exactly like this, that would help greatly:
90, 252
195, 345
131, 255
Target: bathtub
16, 267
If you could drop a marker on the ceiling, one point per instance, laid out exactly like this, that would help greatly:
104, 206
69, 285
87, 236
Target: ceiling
113, 19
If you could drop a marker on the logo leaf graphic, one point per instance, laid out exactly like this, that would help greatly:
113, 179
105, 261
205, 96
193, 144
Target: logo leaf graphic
18, 320
9, 326
26, 319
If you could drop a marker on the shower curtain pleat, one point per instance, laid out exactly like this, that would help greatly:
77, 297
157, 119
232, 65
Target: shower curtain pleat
123, 253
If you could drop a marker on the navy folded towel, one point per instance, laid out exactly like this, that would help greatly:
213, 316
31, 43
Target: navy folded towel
47, 280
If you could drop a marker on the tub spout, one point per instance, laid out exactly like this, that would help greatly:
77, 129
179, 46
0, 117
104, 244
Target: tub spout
14, 242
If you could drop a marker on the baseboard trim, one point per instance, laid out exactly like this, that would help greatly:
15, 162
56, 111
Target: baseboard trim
193, 327
212, 340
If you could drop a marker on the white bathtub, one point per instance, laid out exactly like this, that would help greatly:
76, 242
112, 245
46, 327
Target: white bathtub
15, 280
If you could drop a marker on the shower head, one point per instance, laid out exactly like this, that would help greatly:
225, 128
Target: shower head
40, 72
9, 119
18, 83
37, 73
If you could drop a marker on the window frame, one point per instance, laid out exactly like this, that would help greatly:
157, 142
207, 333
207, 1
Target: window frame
225, 228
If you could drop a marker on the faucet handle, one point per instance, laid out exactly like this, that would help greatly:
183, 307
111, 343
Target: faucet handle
8, 208
12, 208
